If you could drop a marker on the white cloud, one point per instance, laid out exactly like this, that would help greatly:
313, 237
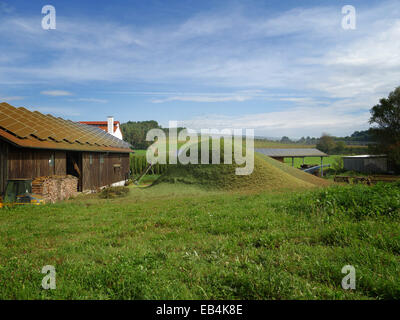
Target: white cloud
59, 111
94, 100
309, 50
203, 98
56, 93
10, 98
294, 122
302, 52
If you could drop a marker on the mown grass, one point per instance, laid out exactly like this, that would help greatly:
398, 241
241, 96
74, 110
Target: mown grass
222, 177
311, 160
179, 241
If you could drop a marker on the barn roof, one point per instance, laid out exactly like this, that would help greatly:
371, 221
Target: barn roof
294, 152
365, 156
29, 129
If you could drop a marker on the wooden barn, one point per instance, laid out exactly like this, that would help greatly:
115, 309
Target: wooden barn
35, 145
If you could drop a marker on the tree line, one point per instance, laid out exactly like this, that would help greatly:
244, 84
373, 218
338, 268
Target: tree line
134, 132
384, 132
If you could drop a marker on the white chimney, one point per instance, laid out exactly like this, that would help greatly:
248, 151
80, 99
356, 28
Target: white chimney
110, 125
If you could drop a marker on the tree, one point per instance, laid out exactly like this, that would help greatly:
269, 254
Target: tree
385, 117
285, 139
340, 147
326, 143
135, 132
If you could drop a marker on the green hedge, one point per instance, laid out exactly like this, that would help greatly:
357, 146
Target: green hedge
138, 165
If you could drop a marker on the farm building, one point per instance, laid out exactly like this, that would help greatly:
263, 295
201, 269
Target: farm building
366, 163
281, 154
110, 126
35, 145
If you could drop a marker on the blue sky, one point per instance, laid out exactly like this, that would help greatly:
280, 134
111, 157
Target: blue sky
279, 67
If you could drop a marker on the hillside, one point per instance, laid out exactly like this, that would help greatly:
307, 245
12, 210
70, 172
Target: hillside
268, 175
296, 172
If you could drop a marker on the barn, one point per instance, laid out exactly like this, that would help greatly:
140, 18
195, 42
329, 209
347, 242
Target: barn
280, 154
366, 163
34, 145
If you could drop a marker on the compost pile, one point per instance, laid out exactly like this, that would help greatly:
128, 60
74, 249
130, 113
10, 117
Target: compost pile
55, 188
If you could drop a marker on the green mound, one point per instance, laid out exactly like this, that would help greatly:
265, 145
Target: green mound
296, 172
266, 176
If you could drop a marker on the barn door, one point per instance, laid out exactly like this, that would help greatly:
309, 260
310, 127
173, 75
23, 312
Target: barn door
74, 166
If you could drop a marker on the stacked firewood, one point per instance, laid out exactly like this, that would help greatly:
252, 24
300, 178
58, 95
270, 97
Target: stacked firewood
55, 188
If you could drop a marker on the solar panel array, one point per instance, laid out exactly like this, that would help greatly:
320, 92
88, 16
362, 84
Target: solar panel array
36, 127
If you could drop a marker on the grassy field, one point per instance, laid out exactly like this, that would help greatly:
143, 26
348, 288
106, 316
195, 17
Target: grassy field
311, 160
176, 241
183, 238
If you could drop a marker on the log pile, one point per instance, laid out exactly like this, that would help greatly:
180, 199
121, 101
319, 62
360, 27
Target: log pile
55, 188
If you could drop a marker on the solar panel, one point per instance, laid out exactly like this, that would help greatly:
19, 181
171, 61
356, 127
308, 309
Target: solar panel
37, 127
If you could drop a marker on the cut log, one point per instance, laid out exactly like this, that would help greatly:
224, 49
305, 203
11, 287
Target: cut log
55, 188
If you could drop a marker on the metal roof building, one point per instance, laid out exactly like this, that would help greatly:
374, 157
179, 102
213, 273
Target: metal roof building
366, 163
281, 154
33, 144
292, 153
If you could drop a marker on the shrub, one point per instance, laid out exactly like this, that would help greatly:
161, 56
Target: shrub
113, 192
356, 201
337, 164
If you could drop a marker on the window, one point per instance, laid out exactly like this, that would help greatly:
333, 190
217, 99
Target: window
51, 161
90, 159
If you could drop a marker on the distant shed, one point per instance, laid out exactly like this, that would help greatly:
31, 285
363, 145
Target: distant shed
366, 163
281, 154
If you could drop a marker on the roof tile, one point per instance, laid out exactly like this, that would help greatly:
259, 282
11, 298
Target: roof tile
36, 130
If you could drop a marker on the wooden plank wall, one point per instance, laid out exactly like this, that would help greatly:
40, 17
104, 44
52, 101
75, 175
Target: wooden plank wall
3, 165
31, 163
60, 163
24, 163
97, 174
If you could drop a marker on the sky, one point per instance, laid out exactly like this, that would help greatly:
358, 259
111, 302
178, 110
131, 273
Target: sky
279, 67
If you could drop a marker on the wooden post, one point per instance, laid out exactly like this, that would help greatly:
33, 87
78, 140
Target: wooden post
292, 161
303, 161
322, 168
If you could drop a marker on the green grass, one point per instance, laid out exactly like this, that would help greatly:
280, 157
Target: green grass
267, 175
182, 242
194, 240
140, 152
311, 160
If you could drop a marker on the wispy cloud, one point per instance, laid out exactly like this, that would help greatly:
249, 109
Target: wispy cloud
56, 93
94, 100
298, 58
290, 122
10, 98
59, 111
203, 98
302, 48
